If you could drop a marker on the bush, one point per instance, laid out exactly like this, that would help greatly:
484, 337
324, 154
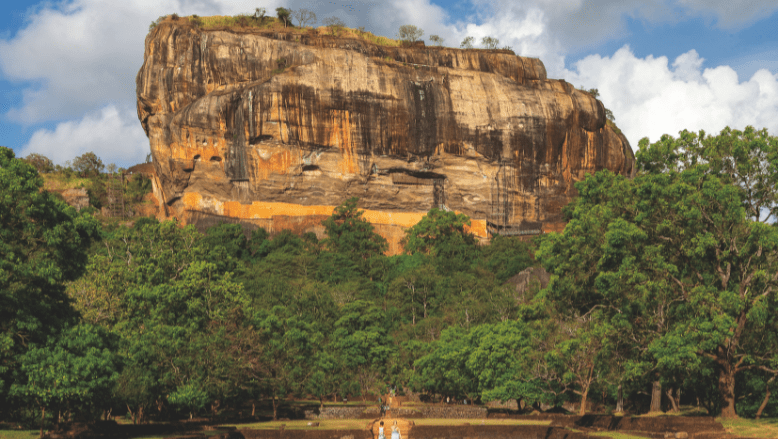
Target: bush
410, 33
88, 165
43, 164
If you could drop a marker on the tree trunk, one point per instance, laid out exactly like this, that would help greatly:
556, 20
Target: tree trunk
620, 400
727, 391
132, 415
584, 394
656, 397
675, 408
253, 409
765, 400
275, 409
43, 418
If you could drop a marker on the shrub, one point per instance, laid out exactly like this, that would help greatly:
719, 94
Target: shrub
410, 33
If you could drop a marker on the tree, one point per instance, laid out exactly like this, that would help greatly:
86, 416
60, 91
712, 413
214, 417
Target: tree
304, 17
43, 244
88, 165
259, 14
335, 24
436, 39
679, 256
348, 233
284, 15
43, 164
75, 370
410, 33
442, 234
490, 42
467, 43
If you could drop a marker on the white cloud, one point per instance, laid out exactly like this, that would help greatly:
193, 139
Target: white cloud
76, 61
732, 14
85, 53
650, 97
112, 133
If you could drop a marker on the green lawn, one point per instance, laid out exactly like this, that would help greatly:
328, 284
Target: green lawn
762, 428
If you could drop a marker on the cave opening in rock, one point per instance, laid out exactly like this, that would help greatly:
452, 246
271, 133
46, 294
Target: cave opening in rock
216, 159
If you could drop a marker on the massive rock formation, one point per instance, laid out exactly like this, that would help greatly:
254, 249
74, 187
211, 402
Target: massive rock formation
278, 127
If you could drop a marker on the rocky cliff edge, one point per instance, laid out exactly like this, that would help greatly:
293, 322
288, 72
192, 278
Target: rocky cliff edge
275, 128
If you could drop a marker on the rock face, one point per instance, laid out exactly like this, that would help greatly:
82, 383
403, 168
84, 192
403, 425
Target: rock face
264, 127
78, 198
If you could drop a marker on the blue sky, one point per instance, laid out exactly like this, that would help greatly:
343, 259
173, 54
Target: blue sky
67, 68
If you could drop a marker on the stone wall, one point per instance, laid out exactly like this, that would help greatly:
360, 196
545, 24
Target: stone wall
372, 412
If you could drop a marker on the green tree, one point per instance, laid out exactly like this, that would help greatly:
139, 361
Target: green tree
284, 15
348, 233
43, 164
409, 33
43, 244
75, 370
490, 42
467, 43
679, 256
436, 39
442, 234
88, 165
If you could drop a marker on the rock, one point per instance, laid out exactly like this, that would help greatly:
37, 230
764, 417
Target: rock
78, 198
276, 128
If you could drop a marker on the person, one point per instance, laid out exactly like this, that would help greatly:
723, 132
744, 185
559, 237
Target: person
381, 407
381, 431
395, 431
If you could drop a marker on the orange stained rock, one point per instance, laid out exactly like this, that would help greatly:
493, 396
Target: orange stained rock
340, 136
268, 210
278, 163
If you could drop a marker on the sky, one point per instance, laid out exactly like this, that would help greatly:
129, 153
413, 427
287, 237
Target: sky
67, 68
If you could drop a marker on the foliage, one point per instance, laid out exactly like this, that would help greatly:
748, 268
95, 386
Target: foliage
76, 370
437, 39
40, 162
88, 165
284, 15
42, 245
467, 43
409, 33
335, 25
348, 233
490, 42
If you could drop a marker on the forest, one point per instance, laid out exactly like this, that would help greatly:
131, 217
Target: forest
662, 293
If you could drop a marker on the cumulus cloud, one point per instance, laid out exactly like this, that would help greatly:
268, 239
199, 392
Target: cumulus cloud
76, 61
650, 96
113, 133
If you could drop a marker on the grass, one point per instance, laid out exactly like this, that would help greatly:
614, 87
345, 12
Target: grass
615, 435
59, 182
756, 428
18, 434
243, 20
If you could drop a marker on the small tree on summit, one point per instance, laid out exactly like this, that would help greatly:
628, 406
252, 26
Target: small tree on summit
283, 15
410, 33
304, 17
436, 39
467, 43
490, 42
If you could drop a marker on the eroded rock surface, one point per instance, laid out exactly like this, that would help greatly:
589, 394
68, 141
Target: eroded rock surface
253, 125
